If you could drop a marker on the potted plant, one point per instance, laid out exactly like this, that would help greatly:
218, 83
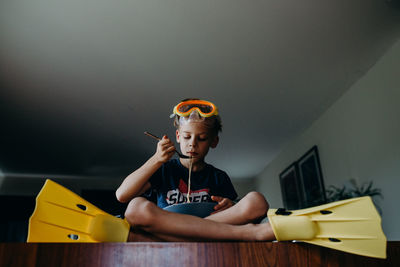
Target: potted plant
366, 189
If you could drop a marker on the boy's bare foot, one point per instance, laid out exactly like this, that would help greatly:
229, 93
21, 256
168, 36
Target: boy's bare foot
264, 232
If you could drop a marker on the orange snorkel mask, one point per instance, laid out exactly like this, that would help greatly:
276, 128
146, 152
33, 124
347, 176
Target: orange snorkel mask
196, 110
204, 108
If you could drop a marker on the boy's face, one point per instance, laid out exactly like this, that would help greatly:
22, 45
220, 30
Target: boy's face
195, 139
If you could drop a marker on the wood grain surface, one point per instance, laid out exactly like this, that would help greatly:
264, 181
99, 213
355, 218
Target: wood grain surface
186, 254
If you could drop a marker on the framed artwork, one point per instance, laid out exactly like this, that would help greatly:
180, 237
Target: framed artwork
301, 182
292, 194
310, 175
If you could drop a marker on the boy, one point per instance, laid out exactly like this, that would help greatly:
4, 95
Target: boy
197, 124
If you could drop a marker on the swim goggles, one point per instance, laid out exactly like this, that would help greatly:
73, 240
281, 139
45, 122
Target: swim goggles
204, 108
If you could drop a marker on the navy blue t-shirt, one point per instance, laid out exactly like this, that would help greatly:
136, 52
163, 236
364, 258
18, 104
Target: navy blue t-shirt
170, 183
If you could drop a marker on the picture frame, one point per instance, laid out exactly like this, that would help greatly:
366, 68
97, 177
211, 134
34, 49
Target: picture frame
292, 193
311, 179
302, 183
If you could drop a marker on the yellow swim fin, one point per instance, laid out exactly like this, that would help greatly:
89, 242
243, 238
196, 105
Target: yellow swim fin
62, 216
351, 225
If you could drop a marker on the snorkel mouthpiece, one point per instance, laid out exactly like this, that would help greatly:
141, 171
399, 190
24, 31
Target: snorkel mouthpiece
192, 118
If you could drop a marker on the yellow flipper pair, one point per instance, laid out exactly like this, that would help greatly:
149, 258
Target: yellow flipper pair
351, 225
62, 216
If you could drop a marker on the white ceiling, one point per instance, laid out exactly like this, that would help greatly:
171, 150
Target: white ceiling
81, 80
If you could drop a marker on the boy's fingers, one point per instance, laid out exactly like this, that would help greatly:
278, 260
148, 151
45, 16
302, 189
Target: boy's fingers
216, 198
225, 203
170, 149
166, 145
164, 141
220, 205
218, 208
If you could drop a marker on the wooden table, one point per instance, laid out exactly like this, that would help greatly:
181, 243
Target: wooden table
186, 254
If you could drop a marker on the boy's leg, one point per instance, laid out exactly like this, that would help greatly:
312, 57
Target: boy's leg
149, 217
250, 208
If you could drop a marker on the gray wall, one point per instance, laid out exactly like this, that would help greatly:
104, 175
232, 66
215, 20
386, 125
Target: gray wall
244, 186
358, 138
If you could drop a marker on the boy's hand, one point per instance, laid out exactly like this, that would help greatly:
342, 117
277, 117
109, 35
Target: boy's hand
165, 149
223, 203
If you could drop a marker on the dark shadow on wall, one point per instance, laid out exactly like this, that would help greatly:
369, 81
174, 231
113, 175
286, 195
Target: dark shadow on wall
16, 211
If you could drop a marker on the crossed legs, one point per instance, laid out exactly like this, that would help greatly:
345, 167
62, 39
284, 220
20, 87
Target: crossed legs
234, 223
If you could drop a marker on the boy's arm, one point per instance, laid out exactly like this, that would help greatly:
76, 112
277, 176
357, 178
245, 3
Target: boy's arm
138, 182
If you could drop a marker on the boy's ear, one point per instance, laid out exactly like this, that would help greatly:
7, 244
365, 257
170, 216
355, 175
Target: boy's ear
177, 136
214, 142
